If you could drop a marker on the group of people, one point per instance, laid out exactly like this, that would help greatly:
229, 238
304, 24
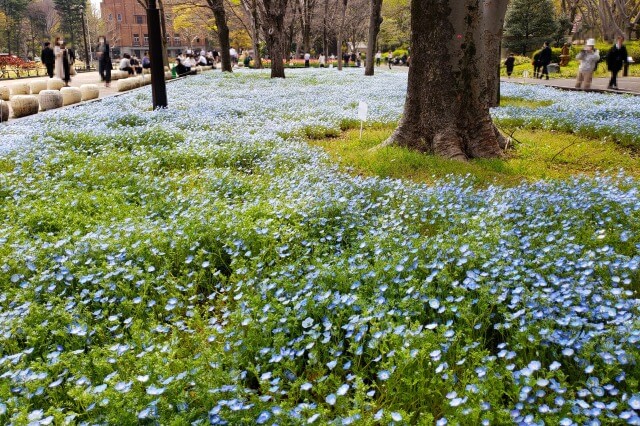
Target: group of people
187, 62
58, 60
589, 58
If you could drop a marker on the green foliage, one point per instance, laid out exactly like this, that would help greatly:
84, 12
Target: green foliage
528, 24
71, 19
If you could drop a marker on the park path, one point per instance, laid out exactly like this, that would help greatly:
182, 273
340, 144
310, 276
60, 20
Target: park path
630, 85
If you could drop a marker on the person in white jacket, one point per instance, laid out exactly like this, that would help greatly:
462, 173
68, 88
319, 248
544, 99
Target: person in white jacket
589, 58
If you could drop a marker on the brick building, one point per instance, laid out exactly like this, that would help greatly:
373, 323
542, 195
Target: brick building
126, 30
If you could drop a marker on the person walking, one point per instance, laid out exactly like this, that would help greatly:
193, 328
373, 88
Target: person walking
536, 64
104, 60
307, 58
545, 60
390, 59
378, 58
616, 58
66, 64
509, 63
588, 58
48, 58
57, 53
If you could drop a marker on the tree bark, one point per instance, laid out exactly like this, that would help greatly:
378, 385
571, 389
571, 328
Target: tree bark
217, 7
446, 110
375, 20
273, 13
340, 30
493, 23
163, 26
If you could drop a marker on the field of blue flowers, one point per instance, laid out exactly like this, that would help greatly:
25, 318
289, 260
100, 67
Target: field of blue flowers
204, 265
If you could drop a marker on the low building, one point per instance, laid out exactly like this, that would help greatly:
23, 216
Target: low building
126, 30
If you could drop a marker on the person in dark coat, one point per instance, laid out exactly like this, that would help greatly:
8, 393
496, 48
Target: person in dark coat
180, 69
66, 65
509, 63
616, 58
536, 64
104, 60
48, 58
545, 60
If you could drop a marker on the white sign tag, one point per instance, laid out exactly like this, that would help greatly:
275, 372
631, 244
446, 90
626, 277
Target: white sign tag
363, 109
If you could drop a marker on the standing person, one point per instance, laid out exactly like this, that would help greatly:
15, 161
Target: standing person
390, 59
48, 58
234, 56
616, 58
104, 60
307, 58
57, 53
545, 59
536, 64
588, 58
321, 60
378, 58
66, 64
509, 64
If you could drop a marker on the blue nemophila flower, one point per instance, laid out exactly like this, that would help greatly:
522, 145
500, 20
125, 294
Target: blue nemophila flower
342, 390
263, 417
306, 386
384, 375
396, 416
634, 401
331, 399
153, 390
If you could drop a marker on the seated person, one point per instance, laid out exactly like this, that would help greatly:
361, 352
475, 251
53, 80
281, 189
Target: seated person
125, 64
181, 70
135, 64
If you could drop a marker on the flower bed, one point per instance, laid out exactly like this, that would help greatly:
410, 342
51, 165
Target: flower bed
203, 264
590, 114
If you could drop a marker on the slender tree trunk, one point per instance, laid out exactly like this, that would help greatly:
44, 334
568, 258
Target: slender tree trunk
493, 22
325, 37
217, 7
375, 20
340, 30
255, 26
163, 26
446, 110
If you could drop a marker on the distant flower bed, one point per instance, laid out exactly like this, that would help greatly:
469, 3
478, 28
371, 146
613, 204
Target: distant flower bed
204, 265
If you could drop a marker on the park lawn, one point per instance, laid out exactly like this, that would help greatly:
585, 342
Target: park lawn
533, 155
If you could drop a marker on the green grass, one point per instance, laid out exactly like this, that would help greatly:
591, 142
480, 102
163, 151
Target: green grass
533, 155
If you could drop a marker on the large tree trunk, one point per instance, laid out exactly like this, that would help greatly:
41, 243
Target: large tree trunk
217, 7
375, 20
446, 110
273, 13
340, 30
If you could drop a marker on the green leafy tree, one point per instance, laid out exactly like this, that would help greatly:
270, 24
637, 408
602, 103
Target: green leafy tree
71, 15
529, 24
14, 12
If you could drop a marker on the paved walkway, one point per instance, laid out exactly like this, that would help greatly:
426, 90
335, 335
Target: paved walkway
629, 85
91, 77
